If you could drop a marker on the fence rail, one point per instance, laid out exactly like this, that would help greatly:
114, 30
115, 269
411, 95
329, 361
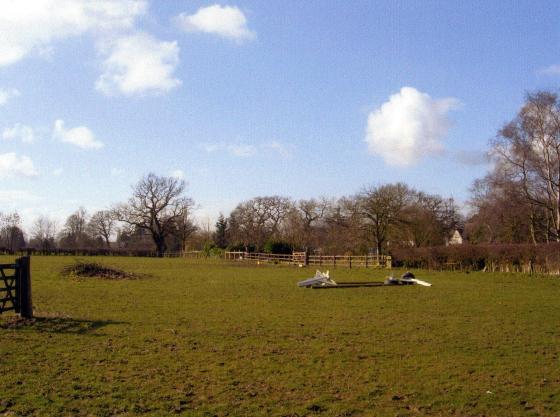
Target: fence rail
296, 258
348, 261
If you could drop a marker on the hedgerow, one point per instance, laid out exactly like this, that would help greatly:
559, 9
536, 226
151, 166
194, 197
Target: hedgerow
542, 258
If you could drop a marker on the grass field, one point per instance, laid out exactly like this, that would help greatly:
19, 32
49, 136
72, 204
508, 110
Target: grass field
220, 339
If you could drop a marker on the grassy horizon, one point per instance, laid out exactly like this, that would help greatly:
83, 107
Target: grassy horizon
203, 339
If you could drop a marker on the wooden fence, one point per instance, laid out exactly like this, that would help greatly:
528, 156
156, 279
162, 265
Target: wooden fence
296, 258
15, 294
300, 258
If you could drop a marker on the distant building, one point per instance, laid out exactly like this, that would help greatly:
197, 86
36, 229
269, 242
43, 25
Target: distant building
455, 239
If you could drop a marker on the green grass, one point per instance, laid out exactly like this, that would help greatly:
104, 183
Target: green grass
220, 339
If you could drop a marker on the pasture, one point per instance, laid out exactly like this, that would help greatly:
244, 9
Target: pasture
214, 339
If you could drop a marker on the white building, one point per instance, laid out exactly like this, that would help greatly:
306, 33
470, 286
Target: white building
456, 238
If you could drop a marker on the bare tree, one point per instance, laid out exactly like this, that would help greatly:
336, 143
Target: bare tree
255, 221
527, 155
382, 208
343, 227
102, 225
74, 233
157, 205
11, 235
43, 233
185, 226
501, 213
429, 219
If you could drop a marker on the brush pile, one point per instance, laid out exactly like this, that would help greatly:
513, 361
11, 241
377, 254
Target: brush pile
82, 269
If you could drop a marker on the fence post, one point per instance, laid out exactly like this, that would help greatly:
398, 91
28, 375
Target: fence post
306, 261
388, 262
24, 287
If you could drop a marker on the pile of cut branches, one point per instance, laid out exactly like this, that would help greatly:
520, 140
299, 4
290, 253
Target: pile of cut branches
82, 269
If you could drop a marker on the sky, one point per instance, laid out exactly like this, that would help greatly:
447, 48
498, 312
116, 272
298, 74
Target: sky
252, 98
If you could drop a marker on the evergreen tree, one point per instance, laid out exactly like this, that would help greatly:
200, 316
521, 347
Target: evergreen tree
220, 236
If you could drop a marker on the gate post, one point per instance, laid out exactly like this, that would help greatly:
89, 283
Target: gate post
24, 287
388, 262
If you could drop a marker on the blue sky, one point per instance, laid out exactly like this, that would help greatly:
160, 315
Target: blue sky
248, 98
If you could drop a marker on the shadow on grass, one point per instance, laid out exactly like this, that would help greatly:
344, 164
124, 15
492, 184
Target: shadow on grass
62, 325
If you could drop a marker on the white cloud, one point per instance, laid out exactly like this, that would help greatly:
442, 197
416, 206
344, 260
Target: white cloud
240, 150
553, 70
12, 166
225, 21
6, 95
244, 150
32, 25
20, 196
138, 64
409, 126
178, 173
22, 132
279, 148
79, 136
57, 172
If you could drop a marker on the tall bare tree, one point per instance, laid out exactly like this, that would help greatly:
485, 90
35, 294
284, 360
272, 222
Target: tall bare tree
343, 232
43, 233
185, 226
74, 233
102, 225
157, 204
527, 154
382, 208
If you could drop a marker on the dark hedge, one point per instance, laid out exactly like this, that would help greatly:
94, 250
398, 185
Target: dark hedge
542, 258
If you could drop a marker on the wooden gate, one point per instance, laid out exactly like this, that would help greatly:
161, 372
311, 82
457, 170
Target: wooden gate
299, 258
15, 287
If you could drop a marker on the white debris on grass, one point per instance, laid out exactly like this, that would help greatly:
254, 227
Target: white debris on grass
321, 279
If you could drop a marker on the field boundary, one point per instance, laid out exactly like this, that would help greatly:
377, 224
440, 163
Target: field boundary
302, 259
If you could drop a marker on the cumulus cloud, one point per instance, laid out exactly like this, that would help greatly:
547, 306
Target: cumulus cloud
138, 64
20, 132
225, 21
409, 126
31, 25
13, 166
6, 95
79, 136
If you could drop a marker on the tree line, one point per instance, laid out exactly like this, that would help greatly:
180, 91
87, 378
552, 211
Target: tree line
518, 201
158, 216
